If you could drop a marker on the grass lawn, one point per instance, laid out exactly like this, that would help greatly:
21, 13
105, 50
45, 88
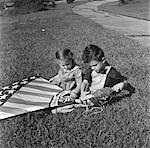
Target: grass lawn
26, 50
137, 8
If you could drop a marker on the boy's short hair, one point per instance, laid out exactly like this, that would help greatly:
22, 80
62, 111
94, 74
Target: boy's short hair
92, 52
64, 54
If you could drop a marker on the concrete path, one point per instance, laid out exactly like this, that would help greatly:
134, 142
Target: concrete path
133, 28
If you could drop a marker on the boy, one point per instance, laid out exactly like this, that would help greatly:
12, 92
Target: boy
100, 78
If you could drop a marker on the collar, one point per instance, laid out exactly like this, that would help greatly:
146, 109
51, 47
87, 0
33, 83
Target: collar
104, 70
74, 68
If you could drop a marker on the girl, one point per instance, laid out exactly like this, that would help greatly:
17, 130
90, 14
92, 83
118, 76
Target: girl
69, 76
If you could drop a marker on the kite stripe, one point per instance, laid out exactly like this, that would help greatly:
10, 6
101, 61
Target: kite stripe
32, 95
5, 115
39, 88
24, 106
37, 94
19, 101
28, 97
48, 86
12, 110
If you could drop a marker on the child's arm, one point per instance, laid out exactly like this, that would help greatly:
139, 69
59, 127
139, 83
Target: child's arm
78, 87
87, 78
120, 86
83, 88
56, 80
75, 92
78, 79
116, 80
124, 85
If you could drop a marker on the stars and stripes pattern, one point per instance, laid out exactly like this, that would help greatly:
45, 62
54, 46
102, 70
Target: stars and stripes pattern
27, 95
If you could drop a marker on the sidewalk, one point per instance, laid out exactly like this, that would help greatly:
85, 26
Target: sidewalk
136, 29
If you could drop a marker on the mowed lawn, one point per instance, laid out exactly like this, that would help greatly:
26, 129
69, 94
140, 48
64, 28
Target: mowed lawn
26, 50
135, 8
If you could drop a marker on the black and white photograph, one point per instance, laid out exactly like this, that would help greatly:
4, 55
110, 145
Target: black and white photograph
74, 73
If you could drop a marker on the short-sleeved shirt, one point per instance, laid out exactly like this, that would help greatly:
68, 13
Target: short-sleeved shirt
108, 77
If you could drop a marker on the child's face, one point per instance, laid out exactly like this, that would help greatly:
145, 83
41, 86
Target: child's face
65, 64
96, 65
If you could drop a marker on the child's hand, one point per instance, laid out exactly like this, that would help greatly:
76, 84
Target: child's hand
86, 97
54, 82
73, 94
51, 80
118, 87
85, 93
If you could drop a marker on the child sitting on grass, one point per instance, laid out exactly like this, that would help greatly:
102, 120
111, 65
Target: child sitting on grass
100, 78
69, 76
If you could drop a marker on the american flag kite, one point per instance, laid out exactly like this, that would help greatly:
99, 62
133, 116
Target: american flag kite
34, 93
27, 95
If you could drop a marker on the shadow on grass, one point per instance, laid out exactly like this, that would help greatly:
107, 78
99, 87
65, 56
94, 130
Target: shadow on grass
117, 99
130, 90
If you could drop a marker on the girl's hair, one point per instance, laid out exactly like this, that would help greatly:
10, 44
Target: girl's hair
92, 52
64, 54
